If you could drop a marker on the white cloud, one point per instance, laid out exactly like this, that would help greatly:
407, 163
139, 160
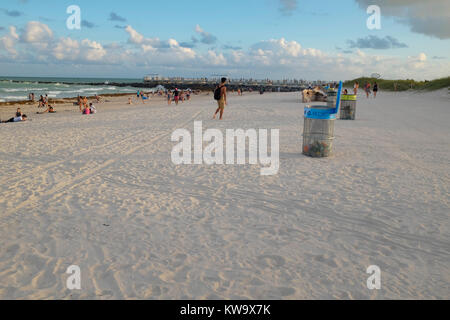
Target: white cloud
92, 50
37, 32
8, 42
135, 37
66, 49
422, 57
205, 37
73, 50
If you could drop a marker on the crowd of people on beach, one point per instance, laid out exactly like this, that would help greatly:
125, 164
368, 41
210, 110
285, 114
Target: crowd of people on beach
173, 95
178, 96
367, 89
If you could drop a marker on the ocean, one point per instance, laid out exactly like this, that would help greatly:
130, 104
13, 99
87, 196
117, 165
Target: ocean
18, 88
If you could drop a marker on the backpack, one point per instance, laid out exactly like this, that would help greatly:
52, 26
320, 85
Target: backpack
218, 93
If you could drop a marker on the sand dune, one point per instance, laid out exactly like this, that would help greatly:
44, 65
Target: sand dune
102, 193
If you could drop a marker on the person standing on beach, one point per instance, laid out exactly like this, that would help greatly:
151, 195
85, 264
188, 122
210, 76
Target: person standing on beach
367, 89
80, 103
220, 94
177, 96
355, 88
169, 98
182, 96
375, 90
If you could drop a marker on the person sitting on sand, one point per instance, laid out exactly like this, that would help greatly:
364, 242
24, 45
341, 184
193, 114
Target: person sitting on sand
129, 101
92, 109
87, 110
19, 112
17, 119
41, 102
97, 98
50, 109
143, 97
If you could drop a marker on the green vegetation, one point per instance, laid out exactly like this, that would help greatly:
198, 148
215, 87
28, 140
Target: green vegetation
402, 85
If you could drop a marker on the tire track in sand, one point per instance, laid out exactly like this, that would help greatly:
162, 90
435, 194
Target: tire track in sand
39, 169
93, 172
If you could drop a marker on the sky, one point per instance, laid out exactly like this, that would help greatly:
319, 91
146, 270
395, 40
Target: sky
275, 39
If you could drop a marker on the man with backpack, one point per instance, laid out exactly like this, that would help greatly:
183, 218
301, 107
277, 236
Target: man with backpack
220, 95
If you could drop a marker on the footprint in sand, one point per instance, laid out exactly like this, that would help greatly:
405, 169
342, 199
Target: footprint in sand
328, 261
178, 260
269, 261
9, 252
45, 279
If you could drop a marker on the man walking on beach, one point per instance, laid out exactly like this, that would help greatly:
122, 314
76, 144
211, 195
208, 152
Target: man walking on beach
220, 94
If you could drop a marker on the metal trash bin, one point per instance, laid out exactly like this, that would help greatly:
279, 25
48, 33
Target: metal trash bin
318, 131
348, 107
331, 98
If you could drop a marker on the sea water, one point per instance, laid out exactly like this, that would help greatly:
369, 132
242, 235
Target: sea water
18, 89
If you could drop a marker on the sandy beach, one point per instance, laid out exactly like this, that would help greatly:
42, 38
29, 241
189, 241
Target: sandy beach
101, 192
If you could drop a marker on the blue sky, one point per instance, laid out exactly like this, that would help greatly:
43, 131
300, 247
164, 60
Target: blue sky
259, 38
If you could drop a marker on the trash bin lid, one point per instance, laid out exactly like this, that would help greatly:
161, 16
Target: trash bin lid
320, 113
348, 97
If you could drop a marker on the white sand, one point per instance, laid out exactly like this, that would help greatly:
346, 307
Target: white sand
101, 192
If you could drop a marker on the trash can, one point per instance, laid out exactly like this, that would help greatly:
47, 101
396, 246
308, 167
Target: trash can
348, 107
318, 131
318, 128
331, 98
